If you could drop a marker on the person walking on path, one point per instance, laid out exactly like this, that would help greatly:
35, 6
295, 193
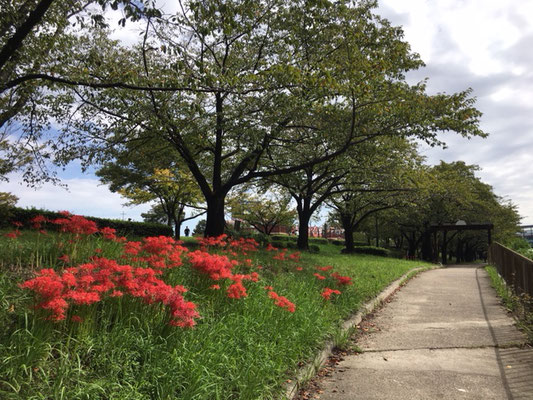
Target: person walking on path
443, 336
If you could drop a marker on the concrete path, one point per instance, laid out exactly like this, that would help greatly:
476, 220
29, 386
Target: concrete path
443, 336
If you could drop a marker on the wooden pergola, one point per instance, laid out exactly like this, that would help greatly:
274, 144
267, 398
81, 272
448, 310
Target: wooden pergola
445, 228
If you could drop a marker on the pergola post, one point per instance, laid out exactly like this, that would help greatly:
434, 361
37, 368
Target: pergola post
444, 255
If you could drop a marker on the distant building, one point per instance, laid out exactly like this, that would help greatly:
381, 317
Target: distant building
526, 231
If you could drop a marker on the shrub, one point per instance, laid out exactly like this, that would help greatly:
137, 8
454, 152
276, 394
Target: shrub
24, 215
337, 242
279, 237
318, 240
313, 248
376, 251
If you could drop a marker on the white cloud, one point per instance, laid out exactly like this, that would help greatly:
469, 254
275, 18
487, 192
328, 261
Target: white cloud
486, 46
85, 196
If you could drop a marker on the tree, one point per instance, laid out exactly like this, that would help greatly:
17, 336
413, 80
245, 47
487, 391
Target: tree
139, 176
380, 178
156, 214
446, 193
35, 41
264, 212
249, 83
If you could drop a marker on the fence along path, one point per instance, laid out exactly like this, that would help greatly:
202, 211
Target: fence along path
514, 268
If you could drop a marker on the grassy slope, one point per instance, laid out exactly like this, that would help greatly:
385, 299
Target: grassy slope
240, 349
520, 306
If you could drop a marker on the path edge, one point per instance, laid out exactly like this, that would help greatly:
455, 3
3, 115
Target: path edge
309, 370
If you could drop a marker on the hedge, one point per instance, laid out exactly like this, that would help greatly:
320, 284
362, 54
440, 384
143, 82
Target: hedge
132, 228
376, 251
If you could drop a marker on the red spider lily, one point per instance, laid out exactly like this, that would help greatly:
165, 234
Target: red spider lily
13, 234
218, 241
280, 255
38, 221
299, 269
160, 245
91, 282
214, 265
342, 280
294, 256
282, 301
132, 248
271, 248
65, 258
268, 288
17, 224
244, 245
76, 318
214, 287
327, 292
108, 233
236, 290
76, 224
326, 268
319, 277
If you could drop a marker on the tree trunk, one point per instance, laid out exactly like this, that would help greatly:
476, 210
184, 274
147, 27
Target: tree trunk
346, 222
426, 246
215, 222
303, 231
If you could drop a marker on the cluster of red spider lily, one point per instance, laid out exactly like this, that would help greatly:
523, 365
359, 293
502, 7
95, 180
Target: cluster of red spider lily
139, 272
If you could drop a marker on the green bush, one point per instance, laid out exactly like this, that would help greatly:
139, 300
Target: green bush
313, 248
373, 250
279, 237
318, 240
132, 228
337, 242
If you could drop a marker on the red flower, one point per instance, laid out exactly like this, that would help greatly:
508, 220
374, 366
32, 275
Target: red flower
76, 318
282, 301
236, 290
13, 234
76, 224
319, 277
342, 280
65, 258
214, 287
295, 256
326, 268
214, 265
132, 248
327, 292
271, 248
17, 224
108, 233
37, 221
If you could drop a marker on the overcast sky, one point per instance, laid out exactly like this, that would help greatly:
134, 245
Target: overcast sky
485, 45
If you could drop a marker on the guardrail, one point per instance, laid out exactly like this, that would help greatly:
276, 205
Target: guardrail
514, 268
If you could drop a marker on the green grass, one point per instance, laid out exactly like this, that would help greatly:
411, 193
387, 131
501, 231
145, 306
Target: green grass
521, 306
240, 349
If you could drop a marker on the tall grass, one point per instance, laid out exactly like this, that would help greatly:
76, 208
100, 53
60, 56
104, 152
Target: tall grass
124, 349
520, 306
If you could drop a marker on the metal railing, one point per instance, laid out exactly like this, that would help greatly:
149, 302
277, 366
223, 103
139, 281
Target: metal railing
514, 268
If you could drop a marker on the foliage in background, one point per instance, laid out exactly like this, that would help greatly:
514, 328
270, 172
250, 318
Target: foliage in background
144, 175
263, 212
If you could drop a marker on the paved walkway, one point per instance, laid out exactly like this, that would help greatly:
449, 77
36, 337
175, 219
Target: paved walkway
443, 336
